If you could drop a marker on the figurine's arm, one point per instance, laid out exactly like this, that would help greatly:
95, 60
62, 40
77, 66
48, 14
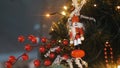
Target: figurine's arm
89, 18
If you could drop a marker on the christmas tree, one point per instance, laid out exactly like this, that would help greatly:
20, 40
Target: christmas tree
86, 36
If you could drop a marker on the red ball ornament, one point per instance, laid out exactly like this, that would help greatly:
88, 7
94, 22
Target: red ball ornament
111, 49
42, 49
52, 55
25, 57
111, 52
106, 61
8, 64
106, 57
21, 38
78, 53
47, 62
65, 56
37, 63
65, 42
12, 59
105, 49
43, 40
28, 47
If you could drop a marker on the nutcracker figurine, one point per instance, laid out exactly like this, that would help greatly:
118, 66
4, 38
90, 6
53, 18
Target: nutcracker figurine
76, 28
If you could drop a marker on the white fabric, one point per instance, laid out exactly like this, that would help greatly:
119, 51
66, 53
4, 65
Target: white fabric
79, 41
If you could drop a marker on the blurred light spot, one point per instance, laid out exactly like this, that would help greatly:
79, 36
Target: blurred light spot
36, 26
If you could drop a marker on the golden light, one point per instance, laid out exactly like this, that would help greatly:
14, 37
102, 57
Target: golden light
52, 29
95, 5
118, 7
47, 15
59, 41
63, 13
65, 7
118, 66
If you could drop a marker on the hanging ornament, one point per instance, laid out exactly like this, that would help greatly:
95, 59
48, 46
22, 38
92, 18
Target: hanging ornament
21, 38
28, 47
52, 55
42, 49
65, 42
25, 57
43, 40
12, 59
108, 53
47, 62
36, 63
8, 64
78, 53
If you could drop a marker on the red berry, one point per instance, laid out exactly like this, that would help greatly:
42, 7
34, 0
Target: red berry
43, 40
53, 41
30, 37
28, 47
42, 49
48, 46
52, 55
37, 63
58, 50
21, 38
47, 62
65, 42
12, 59
65, 56
8, 64
25, 57
34, 40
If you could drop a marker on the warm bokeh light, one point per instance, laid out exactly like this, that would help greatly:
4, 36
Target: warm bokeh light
118, 7
65, 7
47, 15
95, 5
59, 41
52, 29
118, 66
63, 13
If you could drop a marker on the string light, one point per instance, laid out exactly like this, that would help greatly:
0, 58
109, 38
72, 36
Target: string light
108, 53
47, 15
95, 5
52, 29
63, 13
118, 7
59, 41
65, 7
